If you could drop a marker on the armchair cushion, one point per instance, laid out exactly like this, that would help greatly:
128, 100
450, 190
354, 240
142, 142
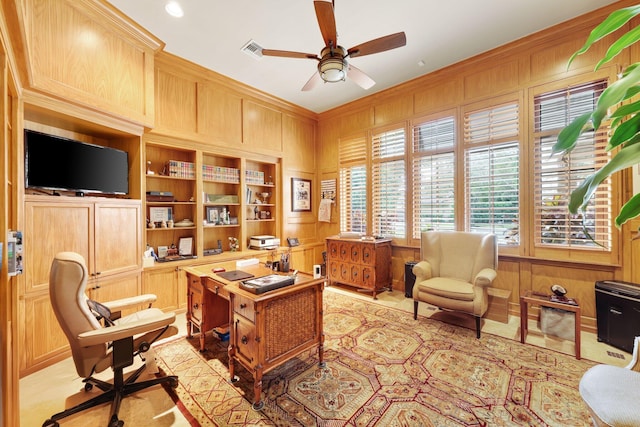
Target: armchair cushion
448, 288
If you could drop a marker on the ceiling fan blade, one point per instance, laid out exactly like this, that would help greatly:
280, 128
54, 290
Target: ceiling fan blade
359, 77
289, 54
381, 44
313, 82
326, 21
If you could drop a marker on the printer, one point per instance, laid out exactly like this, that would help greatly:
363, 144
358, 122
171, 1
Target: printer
263, 242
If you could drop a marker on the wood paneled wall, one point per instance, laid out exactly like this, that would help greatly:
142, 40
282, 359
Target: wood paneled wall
516, 68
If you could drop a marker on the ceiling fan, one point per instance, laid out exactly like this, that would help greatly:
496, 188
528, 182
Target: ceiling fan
332, 62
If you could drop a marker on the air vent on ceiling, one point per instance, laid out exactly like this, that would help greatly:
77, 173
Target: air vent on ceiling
252, 49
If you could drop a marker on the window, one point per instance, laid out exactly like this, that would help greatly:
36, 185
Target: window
556, 176
492, 169
353, 185
389, 184
433, 175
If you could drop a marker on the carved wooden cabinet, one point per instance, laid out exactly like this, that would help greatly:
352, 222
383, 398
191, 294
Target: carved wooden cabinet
365, 264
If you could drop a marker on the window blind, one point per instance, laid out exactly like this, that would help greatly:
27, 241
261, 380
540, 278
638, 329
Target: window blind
433, 176
389, 184
353, 185
492, 156
556, 176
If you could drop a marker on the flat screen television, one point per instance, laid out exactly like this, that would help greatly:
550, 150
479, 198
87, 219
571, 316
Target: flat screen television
56, 163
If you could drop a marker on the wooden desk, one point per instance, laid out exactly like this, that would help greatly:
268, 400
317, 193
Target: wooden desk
266, 329
543, 301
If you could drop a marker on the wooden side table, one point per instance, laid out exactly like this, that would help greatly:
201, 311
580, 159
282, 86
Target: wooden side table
545, 301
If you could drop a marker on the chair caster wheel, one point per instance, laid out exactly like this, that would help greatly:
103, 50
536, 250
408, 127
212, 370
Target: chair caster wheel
258, 406
235, 379
50, 423
88, 387
173, 383
116, 423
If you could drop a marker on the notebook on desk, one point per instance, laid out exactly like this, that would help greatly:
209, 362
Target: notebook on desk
235, 275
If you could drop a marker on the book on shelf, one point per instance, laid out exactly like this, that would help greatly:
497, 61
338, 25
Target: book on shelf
180, 169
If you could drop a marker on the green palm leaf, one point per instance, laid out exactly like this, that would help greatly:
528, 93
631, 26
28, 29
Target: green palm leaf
613, 22
630, 210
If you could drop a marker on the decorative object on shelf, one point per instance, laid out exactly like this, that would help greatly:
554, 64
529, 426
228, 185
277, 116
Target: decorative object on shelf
185, 246
184, 223
265, 195
149, 171
233, 244
255, 211
170, 223
213, 216
300, 195
158, 215
150, 224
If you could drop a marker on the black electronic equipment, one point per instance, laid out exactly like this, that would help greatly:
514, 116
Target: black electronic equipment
56, 163
618, 313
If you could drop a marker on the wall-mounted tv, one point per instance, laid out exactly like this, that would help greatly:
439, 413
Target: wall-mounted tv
56, 163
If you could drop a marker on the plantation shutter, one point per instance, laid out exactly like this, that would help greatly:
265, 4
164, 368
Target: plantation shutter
557, 175
389, 184
492, 156
353, 185
433, 176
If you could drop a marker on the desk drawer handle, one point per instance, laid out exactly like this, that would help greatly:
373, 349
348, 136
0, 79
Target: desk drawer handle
243, 306
196, 306
244, 339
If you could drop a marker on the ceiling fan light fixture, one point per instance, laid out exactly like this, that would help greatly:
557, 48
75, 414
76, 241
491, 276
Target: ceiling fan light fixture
333, 70
333, 65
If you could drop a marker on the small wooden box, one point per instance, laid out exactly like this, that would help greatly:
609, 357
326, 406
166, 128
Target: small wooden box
498, 305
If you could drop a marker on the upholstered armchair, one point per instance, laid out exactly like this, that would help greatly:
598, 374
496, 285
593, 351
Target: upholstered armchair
455, 270
612, 393
98, 341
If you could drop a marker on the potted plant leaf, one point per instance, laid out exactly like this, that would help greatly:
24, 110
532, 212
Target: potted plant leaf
618, 105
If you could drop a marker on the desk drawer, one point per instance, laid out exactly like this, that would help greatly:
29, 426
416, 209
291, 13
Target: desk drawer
217, 288
197, 299
244, 307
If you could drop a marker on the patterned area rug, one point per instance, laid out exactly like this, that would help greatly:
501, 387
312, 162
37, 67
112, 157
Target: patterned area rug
385, 369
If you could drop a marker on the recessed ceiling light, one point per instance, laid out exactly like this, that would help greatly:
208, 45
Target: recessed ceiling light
174, 9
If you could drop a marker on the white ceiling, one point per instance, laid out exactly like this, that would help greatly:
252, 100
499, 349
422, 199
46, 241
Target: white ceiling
212, 32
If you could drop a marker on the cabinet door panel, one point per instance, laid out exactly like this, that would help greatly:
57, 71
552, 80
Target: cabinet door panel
245, 340
46, 338
368, 254
51, 228
117, 236
355, 253
162, 283
332, 249
115, 288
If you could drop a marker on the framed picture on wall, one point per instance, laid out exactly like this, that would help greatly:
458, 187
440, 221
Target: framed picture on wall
300, 195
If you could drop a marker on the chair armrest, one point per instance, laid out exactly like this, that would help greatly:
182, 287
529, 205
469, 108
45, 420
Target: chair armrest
117, 332
124, 303
484, 277
422, 271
